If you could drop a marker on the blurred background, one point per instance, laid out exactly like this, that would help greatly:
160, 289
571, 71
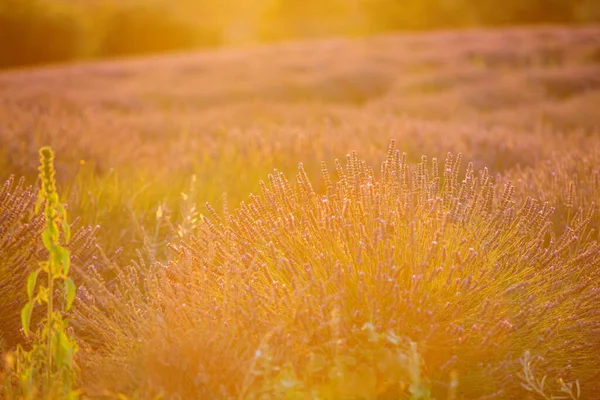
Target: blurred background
34, 32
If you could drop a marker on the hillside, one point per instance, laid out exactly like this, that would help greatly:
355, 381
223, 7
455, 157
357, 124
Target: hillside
117, 112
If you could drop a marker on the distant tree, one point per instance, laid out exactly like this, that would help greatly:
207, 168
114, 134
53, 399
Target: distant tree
143, 29
525, 11
310, 18
426, 14
587, 11
37, 32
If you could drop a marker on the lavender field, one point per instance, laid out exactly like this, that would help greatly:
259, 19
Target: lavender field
400, 216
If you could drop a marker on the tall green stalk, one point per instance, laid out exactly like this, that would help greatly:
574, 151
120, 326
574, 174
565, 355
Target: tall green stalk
47, 370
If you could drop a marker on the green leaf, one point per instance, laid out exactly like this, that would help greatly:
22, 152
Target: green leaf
70, 292
26, 316
65, 260
58, 350
65, 225
42, 295
56, 263
66, 230
31, 281
47, 239
40, 200
65, 347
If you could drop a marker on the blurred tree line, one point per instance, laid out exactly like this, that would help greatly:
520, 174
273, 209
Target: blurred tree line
46, 31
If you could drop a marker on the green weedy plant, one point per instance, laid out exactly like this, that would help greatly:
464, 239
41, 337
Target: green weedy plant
47, 370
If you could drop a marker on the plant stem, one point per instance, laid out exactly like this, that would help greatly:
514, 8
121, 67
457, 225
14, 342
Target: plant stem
50, 322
